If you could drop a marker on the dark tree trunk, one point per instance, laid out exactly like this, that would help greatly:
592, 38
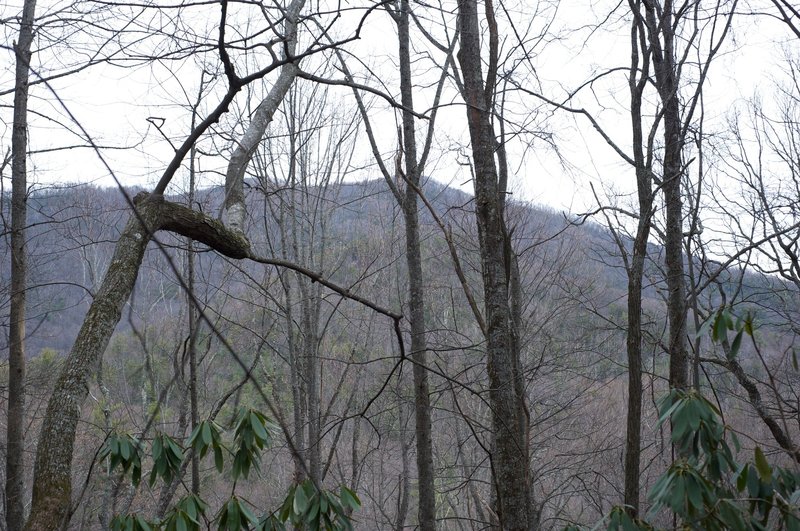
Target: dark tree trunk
637, 81
193, 322
510, 460
416, 300
633, 433
662, 40
15, 442
404, 484
309, 305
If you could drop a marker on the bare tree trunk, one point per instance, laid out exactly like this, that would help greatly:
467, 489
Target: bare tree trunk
298, 389
311, 359
193, 319
15, 456
234, 209
637, 81
192, 351
416, 300
295, 358
510, 457
662, 40
633, 432
405, 484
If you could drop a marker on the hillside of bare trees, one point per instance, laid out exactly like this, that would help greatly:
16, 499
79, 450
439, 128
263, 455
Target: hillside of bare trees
305, 278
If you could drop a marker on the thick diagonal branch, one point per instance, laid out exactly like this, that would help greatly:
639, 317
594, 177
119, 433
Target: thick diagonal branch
234, 209
52, 487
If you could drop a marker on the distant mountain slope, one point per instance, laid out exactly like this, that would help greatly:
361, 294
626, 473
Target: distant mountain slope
73, 232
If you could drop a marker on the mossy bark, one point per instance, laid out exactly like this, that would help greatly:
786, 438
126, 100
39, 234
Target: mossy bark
52, 488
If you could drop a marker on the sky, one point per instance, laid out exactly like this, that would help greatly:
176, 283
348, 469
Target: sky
116, 105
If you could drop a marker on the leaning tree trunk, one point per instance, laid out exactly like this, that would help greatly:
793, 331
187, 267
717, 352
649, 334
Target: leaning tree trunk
234, 209
52, 472
52, 488
15, 442
510, 461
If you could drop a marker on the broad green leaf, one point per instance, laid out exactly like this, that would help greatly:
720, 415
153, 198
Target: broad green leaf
678, 495
349, 498
613, 521
288, 503
730, 515
218, 461
680, 425
230, 518
175, 450
764, 470
668, 411
157, 448
694, 494
300, 501
323, 503
247, 513
737, 343
258, 427
741, 477
726, 314
748, 324
753, 484
125, 450
206, 429
136, 476
661, 487
313, 510
735, 440
720, 331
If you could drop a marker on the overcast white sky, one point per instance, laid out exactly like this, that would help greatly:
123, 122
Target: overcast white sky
113, 104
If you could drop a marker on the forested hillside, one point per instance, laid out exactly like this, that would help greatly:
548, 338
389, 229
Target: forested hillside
256, 309
350, 232
73, 231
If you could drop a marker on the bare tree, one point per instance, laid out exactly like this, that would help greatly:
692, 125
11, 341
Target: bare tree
643, 160
52, 474
416, 281
760, 164
510, 455
15, 452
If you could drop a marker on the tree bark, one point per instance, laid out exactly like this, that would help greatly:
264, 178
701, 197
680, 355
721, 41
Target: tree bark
662, 40
52, 489
234, 209
416, 299
15, 442
193, 322
637, 81
309, 305
510, 456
